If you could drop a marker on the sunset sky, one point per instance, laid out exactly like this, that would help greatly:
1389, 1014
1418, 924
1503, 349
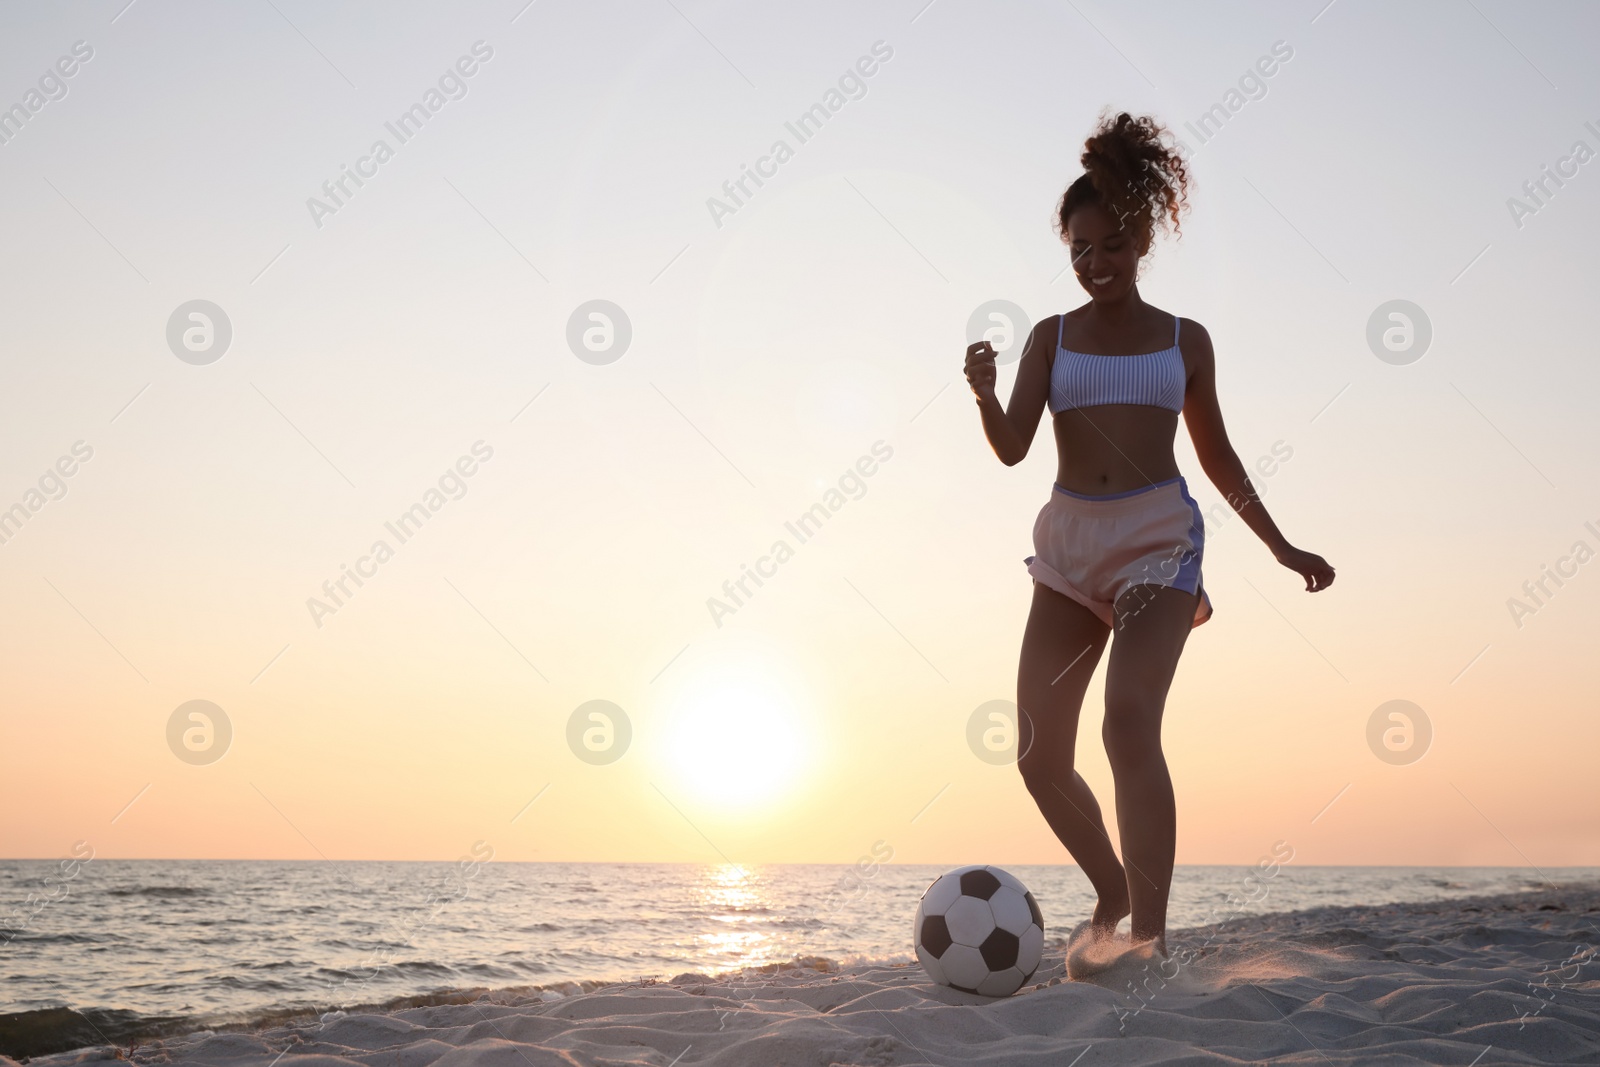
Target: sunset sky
415, 327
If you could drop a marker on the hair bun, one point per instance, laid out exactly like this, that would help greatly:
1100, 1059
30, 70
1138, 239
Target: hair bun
1131, 167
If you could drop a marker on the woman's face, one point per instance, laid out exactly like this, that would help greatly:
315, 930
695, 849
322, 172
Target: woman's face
1105, 256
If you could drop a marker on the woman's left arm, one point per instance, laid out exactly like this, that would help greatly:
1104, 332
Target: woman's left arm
1203, 416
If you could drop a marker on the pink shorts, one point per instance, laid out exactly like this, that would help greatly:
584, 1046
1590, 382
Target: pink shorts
1095, 548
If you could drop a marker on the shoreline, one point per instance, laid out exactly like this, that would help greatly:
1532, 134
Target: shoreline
1288, 960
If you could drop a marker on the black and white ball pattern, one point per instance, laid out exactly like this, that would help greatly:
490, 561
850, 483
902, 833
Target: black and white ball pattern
979, 930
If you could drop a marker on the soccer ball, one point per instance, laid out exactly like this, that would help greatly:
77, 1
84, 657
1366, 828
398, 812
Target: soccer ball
979, 930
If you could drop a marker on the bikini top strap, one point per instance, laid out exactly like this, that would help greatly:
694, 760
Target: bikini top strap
1176, 322
1061, 328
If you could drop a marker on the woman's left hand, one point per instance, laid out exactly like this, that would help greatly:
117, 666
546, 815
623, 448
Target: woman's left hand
1317, 572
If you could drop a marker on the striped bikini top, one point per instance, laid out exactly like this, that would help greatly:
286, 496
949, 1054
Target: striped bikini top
1082, 380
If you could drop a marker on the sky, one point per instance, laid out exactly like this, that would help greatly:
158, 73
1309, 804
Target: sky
400, 378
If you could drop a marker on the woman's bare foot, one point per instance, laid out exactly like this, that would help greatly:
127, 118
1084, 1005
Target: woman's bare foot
1108, 912
1090, 948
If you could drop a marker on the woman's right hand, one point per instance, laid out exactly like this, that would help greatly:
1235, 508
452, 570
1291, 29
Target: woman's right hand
980, 369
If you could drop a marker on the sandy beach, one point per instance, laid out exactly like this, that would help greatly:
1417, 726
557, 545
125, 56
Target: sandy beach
1508, 979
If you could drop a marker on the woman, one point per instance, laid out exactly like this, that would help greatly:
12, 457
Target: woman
1119, 545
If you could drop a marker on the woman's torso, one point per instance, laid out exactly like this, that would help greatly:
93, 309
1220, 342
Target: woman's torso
1115, 447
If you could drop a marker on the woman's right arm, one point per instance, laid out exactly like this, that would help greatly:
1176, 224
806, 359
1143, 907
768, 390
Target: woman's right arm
1010, 429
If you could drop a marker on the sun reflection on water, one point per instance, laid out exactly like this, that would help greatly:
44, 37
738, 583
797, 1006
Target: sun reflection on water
732, 897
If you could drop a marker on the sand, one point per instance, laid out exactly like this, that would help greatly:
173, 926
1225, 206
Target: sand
1482, 981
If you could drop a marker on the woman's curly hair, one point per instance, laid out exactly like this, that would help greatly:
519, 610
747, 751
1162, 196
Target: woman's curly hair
1133, 169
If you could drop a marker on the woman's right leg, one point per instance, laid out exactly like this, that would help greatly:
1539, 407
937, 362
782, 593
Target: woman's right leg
1060, 649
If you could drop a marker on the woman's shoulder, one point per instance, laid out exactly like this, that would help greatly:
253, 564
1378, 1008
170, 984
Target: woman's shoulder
1046, 335
1194, 347
1051, 322
1074, 315
1189, 330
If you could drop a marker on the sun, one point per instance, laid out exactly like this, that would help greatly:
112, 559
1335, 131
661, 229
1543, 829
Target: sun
737, 741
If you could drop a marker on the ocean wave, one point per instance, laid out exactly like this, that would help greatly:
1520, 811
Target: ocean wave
254, 985
172, 892
364, 944
61, 939
365, 972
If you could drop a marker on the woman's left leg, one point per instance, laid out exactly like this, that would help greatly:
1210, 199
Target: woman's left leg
1153, 622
